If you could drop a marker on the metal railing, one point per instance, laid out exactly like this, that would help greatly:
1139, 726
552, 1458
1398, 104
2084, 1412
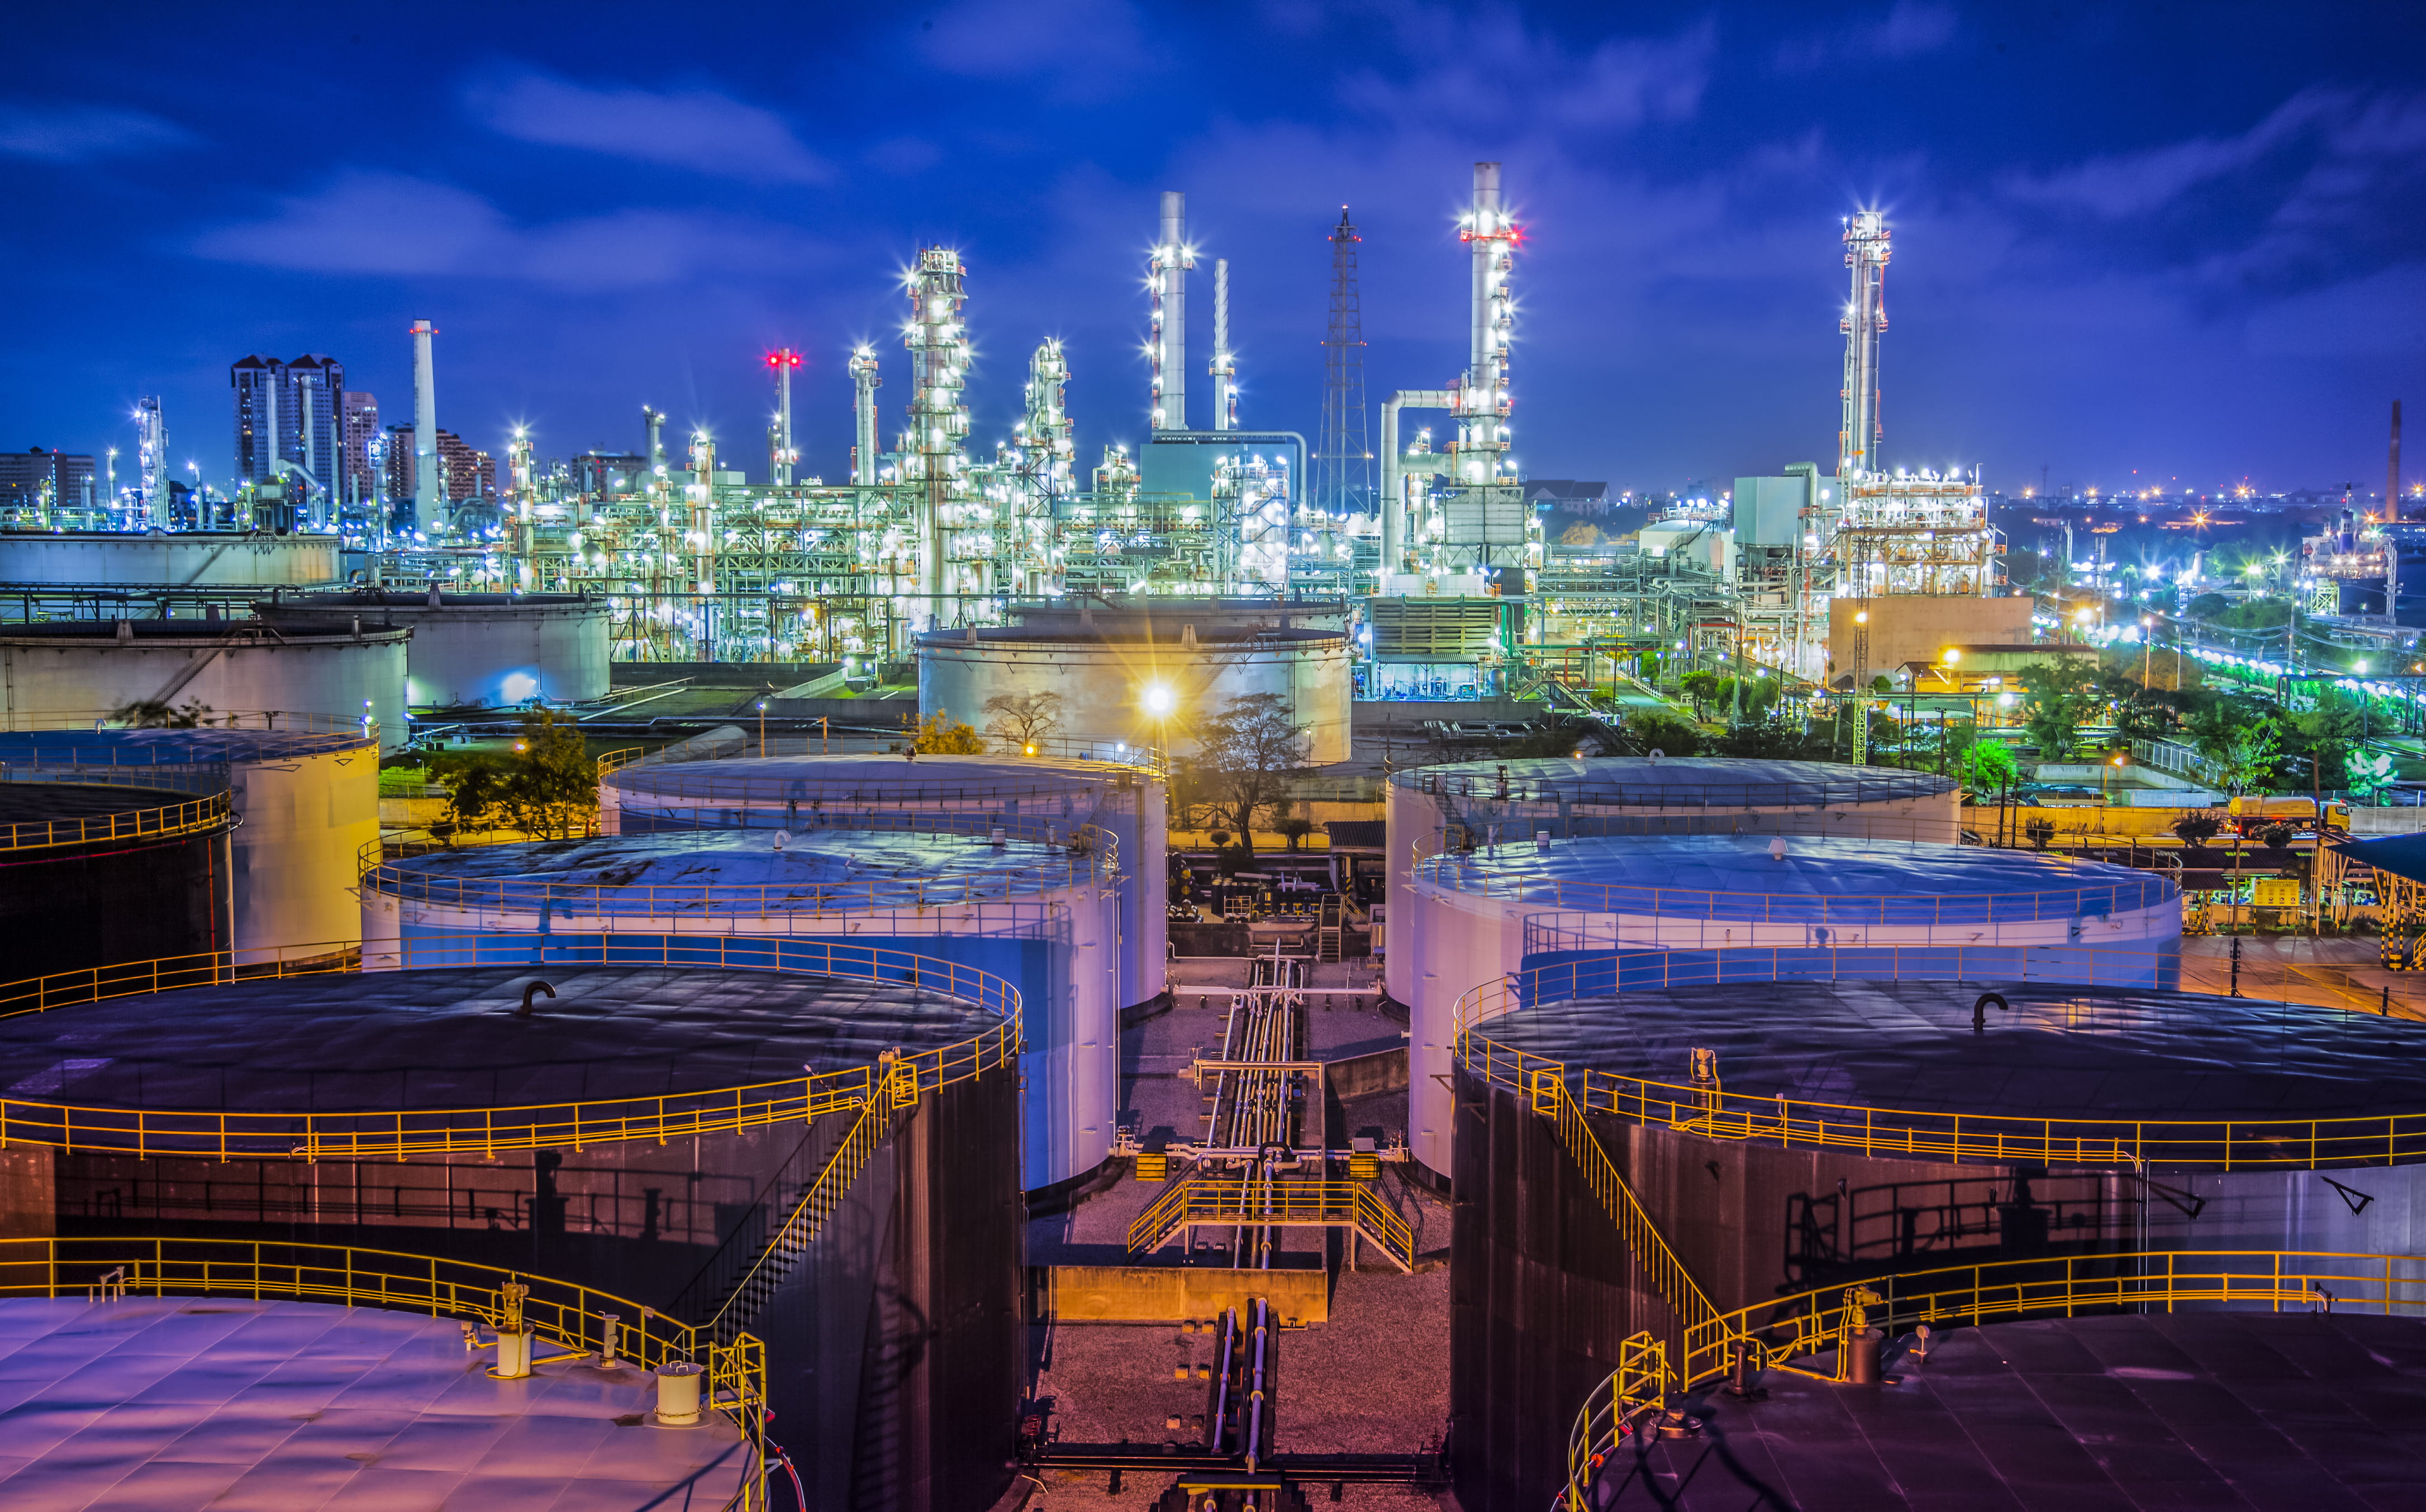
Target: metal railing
733, 742
1649, 1248
194, 817
1080, 853
1624, 789
1437, 859
1255, 1200
274, 729
751, 1291
1708, 1110
399, 1133
571, 1316
1776, 1333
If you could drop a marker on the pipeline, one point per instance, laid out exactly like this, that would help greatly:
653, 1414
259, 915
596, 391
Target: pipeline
1255, 1394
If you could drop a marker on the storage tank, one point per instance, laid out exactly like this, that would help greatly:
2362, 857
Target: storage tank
476, 650
188, 559
1784, 1137
108, 869
85, 671
1794, 904
1031, 900
256, 1384
1122, 685
306, 805
1614, 794
608, 1117
720, 782
2150, 1408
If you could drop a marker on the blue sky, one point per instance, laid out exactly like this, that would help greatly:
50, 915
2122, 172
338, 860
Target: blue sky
2188, 239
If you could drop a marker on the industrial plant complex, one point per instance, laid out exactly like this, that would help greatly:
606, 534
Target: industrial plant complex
1288, 960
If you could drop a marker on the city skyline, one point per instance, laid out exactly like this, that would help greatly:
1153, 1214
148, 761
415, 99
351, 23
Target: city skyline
2199, 272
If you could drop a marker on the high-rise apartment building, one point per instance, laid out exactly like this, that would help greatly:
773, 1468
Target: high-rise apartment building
464, 471
290, 423
358, 485
35, 480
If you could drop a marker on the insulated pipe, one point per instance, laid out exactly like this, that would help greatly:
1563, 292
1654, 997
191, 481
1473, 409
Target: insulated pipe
425, 493
1225, 396
1394, 503
1255, 1395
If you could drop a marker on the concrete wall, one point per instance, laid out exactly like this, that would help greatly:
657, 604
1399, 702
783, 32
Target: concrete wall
1167, 1293
1917, 627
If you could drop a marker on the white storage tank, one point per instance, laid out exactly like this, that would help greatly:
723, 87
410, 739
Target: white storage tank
87, 671
708, 783
1650, 794
1026, 900
476, 649
306, 803
188, 559
1122, 685
1774, 907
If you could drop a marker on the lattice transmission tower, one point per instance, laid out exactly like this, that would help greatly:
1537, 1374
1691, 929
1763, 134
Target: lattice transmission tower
1343, 480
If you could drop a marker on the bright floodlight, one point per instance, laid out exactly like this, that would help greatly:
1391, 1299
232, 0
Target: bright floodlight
1157, 699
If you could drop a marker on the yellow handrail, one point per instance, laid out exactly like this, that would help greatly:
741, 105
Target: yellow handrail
1781, 1329
2226, 1143
315, 1135
1649, 1248
192, 816
1286, 1203
567, 1313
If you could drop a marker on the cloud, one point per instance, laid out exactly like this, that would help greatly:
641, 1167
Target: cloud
1909, 30
2130, 184
701, 130
393, 225
78, 134
1491, 69
1086, 48
2382, 314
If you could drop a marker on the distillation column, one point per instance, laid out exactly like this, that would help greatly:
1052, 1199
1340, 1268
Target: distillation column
863, 412
1482, 415
784, 454
1169, 269
1866, 320
1224, 366
932, 453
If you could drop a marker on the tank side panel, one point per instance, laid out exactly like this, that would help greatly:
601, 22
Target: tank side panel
1458, 943
108, 904
344, 680
306, 821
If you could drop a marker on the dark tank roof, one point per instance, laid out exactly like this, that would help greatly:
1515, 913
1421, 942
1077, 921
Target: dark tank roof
1699, 781
2057, 1052
451, 1037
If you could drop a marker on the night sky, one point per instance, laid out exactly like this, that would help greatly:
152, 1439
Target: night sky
2184, 238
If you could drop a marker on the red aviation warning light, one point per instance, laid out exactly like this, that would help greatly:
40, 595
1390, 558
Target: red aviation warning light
787, 358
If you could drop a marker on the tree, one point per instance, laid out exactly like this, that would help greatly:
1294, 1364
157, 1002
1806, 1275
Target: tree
1662, 732
547, 787
1022, 721
2243, 756
1245, 757
148, 714
938, 734
2365, 775
2056, 699
1988, 765
1771, 738
2196, 828
1703, 688
2326, 735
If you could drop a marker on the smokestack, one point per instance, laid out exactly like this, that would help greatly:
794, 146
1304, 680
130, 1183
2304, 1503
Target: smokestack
1484, 406
653, 422
427, 497
2393, 471
1226, 390
863, 450
1169, 268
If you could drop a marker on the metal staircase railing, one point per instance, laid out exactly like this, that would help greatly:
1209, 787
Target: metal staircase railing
748, 1293
1319, 1204
1652, 1256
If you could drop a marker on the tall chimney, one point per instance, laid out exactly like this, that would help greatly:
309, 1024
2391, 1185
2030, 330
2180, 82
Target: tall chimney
1225, 372
2393, 471
428, 499
864, 385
